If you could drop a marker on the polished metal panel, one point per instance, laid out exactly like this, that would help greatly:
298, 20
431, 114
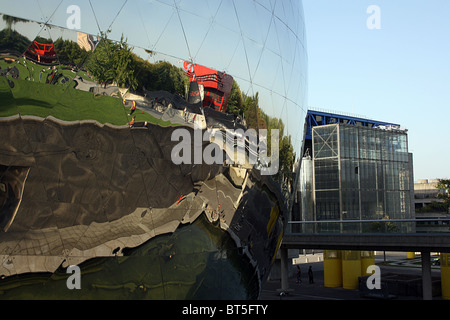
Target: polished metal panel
90, 94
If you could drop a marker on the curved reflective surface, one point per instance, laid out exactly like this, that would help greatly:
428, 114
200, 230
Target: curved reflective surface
92, 94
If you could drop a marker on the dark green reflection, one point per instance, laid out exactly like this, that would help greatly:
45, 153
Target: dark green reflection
197, 261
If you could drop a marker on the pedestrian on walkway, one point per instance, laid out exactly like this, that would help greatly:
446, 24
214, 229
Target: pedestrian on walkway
299, 275
310, 275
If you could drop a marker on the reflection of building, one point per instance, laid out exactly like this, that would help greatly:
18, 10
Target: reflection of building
359, 170
215, 86
425, 192
42, 53
86, 41
429, 207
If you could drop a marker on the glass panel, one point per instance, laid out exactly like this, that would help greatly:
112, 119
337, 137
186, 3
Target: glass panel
327, 205
325, 141
350, 205
326, 174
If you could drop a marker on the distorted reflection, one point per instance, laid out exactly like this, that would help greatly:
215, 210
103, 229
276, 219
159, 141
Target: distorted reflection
87, 117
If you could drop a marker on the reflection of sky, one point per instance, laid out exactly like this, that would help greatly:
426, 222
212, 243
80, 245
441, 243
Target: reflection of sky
260, 43
33, 29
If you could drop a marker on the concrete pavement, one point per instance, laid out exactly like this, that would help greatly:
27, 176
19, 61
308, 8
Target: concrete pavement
307, 291
395, 263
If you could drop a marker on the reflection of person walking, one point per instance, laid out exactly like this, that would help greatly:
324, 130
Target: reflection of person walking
132, 121
133, 108
310, 275
299, 275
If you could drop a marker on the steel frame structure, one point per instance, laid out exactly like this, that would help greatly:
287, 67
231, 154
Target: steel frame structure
318, 118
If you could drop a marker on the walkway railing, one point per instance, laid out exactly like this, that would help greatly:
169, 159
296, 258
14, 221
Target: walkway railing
391, 226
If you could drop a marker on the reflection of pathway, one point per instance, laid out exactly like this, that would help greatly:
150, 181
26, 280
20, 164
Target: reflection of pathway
173, 116
83, 84
221, 196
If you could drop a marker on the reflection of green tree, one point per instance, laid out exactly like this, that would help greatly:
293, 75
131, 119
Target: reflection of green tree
13, 41
70, 52
287, 157
251, 111
10, 20
383, 225
235, 102
113, 62
10, 39
161, 76
256, 119
444, 187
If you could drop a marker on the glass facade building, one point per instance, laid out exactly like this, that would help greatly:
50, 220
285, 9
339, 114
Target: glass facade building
357, 173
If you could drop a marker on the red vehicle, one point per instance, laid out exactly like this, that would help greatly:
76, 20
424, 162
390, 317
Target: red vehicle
216, 85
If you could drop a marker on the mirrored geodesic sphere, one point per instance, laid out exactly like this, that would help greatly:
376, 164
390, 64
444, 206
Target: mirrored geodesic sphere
91, 93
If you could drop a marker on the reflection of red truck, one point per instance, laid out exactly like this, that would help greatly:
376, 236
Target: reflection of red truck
216, 85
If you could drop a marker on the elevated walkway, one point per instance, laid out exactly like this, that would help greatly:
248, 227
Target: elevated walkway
407, 242
431, 242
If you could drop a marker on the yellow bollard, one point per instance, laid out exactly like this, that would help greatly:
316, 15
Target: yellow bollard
332, 268
367, 259
445, 275
351, 268
410, 255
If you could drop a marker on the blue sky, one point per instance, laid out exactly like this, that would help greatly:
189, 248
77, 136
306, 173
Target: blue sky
399, 73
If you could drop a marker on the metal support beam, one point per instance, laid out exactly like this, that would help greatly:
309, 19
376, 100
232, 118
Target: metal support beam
331, 117
284, 270
439, 242
427, 290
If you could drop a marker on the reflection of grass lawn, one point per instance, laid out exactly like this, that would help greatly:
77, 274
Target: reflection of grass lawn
65, 103
39, 73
